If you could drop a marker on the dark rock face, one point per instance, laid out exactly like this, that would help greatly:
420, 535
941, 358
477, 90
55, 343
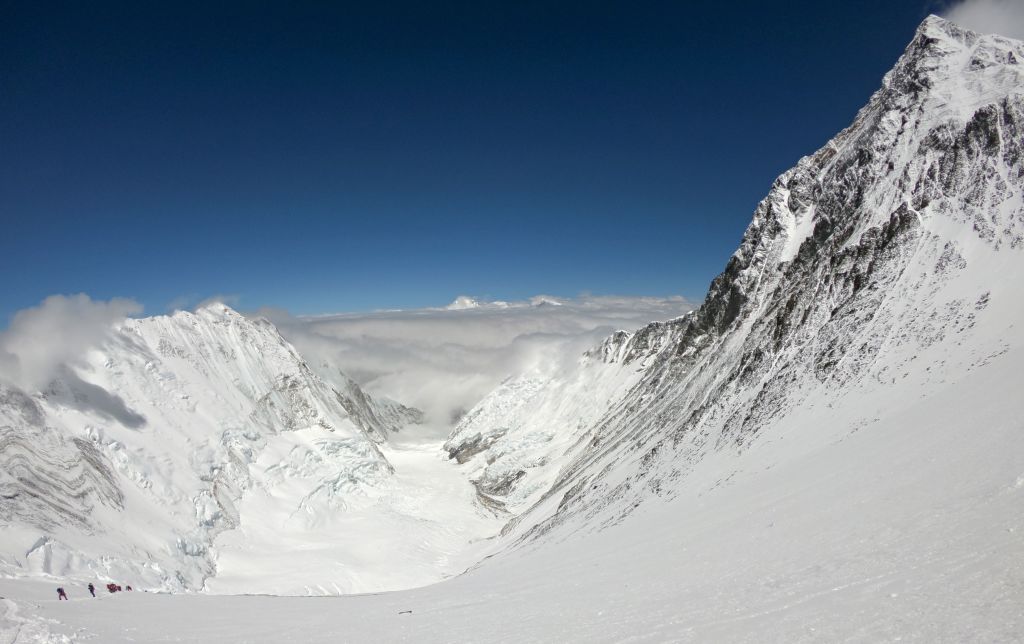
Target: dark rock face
377, 417
464, 451
840, 277
499, 486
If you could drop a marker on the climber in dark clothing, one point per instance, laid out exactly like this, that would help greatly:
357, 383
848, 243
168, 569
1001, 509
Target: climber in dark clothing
61, 594
92, 589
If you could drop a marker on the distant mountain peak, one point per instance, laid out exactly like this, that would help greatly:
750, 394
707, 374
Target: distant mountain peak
545, 300
463, 302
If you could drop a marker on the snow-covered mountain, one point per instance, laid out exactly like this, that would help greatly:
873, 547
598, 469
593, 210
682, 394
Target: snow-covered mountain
831, 448
883, 269
178, 429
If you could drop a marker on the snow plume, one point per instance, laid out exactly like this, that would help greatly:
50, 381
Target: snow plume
45, 342
444, 360
1003, 17
195, 302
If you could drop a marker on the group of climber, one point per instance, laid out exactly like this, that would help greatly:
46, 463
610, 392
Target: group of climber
111, 588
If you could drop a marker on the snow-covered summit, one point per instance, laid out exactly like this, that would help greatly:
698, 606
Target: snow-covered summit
545, 300
463, 302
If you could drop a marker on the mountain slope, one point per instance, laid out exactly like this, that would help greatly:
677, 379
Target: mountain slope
131, 466
888, 261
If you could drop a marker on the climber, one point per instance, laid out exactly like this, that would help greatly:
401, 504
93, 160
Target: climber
92, 589
61, 594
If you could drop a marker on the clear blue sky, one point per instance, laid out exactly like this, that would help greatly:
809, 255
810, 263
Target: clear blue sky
350, 156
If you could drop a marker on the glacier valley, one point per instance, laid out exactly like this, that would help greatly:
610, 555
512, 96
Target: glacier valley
830, 447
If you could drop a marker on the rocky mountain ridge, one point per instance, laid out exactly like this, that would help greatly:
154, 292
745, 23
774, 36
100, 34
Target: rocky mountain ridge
884, 259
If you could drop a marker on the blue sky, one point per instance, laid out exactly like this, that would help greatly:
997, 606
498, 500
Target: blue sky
341, 157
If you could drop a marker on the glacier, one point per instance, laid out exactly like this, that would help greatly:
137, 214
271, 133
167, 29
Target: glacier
220, 445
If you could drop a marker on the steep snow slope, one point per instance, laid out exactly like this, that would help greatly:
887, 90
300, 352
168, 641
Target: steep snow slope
516, 440
130, 467
891, 259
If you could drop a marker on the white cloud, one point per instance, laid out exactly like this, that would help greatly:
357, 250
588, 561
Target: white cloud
1003, 17
41, 341
45, 342
444, 360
